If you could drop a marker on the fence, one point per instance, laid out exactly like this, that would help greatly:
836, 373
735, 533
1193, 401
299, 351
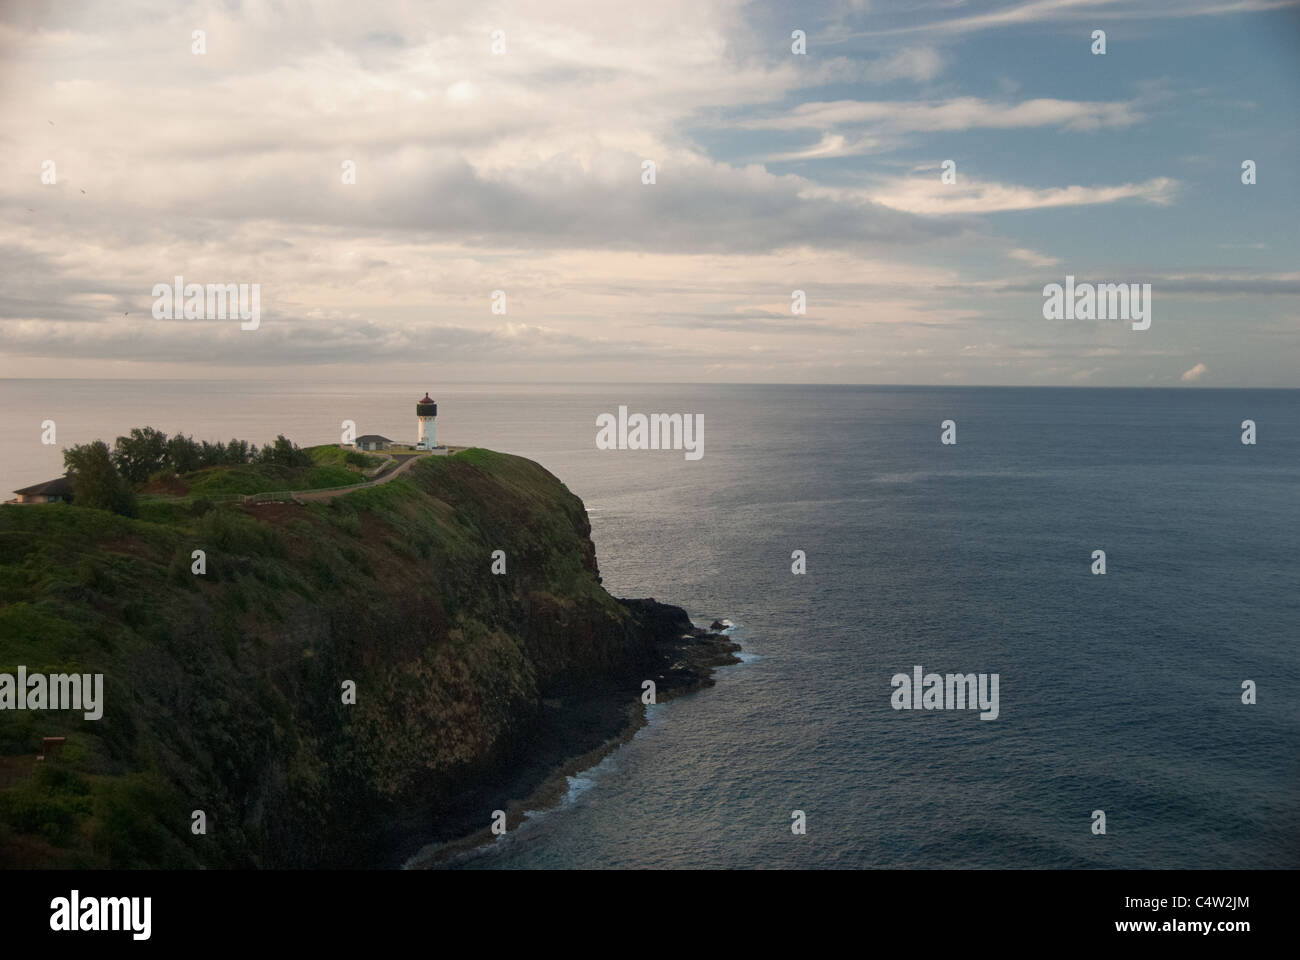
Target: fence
274, 495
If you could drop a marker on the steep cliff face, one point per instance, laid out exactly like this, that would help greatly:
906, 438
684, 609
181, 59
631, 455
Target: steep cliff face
224, 692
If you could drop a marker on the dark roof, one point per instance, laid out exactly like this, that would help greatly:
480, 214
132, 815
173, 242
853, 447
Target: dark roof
427, 398
372, 437
59, 487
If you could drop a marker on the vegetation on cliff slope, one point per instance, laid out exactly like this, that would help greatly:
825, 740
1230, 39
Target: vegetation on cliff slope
147, 461
223, 691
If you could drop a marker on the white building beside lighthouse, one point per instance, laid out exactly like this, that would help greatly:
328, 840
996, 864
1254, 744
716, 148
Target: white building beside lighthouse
426, 411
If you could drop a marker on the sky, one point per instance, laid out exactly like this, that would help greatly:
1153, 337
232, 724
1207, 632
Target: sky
504, 147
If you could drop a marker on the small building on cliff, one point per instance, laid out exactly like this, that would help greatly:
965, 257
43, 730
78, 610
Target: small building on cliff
51, 491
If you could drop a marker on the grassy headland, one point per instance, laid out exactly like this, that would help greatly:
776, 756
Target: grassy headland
223, 690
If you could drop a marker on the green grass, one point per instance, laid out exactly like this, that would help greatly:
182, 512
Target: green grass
332, 466
332, 455
225, 687
480, 457
263, 478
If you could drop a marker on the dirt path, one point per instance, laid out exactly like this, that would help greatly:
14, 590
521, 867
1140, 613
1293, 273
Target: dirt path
331, 494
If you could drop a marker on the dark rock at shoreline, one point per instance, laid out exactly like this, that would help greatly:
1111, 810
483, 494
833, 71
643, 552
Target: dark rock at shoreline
686, 654
575, 733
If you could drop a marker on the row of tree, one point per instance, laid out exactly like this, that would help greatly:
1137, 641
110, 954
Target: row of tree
147, 451
105, 479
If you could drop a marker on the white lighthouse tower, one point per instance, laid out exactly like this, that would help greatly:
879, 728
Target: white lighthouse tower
425, 412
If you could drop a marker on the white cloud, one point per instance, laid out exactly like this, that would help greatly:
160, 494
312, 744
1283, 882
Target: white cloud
1036, 11
1194, 374
968, 196
520, 172
959, 113
831, 145
1032, 258
920, 64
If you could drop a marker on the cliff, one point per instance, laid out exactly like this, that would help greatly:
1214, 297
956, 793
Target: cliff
224, 691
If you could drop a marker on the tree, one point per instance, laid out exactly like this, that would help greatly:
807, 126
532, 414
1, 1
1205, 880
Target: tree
285, 453
212, 454
240, 451
183, 454
143, 453
95, 481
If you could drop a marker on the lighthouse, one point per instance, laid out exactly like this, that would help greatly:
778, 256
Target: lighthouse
425, 412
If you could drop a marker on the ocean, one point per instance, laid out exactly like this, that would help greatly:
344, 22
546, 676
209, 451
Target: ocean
1119, 692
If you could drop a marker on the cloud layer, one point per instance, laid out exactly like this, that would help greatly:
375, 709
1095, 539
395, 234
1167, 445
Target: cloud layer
523, 171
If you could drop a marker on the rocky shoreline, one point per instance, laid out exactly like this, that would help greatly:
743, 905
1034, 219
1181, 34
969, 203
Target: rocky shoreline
575, 734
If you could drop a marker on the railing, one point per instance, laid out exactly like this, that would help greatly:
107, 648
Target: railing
290, 494
167, 498
244, 497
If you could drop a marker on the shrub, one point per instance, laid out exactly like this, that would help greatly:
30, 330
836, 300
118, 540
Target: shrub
95, 481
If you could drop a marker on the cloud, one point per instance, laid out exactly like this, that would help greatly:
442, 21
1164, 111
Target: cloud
1194, 374
831, 145
921, 65
295, 341
968, 196
959, 113
1032, 258
750, 322
522, 172
541, 148
1195, 286
1037, 11
1228, 283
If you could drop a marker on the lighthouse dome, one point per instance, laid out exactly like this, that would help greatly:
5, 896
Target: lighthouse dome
426, 407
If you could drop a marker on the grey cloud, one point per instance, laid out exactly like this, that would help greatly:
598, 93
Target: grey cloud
296, 341
751, 321
1219, 283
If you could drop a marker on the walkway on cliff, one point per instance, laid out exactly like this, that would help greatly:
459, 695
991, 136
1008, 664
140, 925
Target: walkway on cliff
403, 461
339, 491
